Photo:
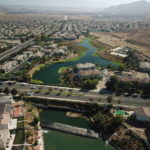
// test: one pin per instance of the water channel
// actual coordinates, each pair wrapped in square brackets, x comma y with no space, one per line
[50,75]
[55,140]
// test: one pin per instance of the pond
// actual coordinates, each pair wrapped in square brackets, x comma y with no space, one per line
[55,140]
[50,75]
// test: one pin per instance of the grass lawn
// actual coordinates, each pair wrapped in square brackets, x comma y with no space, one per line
[20,137]
[37,82]
[62,70]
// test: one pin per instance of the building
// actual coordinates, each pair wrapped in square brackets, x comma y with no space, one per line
[145,66]
[87,70]
[39,54]
[20,58]
[6,122]
[120,51]
[59,52]
[89,73]
[8,66]
[142,113]
[86,66]
[134,76]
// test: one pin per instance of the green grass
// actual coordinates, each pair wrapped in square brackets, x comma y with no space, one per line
[39,67]
[122,113]
[119,64]
[95,54]
[81,52]
[20,137]
[20,124]
[62,70]
[37,82]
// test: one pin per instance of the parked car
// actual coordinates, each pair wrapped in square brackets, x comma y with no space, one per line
[33,87]
[127,94]
[135,95]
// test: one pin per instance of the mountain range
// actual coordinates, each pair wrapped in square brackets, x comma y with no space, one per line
[136,8]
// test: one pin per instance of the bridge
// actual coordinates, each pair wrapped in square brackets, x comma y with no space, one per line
[69,129]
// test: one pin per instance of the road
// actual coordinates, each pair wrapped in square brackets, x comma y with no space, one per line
[76,94]
[8,53]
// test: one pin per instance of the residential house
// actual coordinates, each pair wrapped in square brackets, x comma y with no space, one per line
[86,66]
[144,67]
[6,122]
[8,66]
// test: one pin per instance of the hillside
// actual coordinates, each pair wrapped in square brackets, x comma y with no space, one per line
[136,8]
[139,37]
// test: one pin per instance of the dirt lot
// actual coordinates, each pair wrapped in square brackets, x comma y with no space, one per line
[138,40]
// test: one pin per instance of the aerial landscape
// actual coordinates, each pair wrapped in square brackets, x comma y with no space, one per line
[74,75]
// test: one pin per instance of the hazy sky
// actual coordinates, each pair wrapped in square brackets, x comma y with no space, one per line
[68,3]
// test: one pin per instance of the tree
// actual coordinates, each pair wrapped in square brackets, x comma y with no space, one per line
[113,83]
[14,91]
[120,68]
[90,84]
[1,90]
[50,89]
[109,99]
[99,100]
[61,90]
[91,99]
[119,101]
[6,90]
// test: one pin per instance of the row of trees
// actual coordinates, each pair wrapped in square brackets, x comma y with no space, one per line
[114,84]
[90,84]
[8,91]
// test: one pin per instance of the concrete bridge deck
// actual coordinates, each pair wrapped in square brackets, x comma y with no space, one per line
[69,129]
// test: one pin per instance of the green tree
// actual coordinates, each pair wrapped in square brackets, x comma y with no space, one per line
[1,90]
[113,83]
[109,99]
[14,91]
[6,90]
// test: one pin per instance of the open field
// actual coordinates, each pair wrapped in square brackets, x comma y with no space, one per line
[138,40]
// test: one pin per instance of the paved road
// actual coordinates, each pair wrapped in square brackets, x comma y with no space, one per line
[8,53]
[77,95]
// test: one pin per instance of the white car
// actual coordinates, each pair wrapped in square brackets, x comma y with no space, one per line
[33,87]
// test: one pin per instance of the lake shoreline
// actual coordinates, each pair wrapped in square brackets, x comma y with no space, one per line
[85,56]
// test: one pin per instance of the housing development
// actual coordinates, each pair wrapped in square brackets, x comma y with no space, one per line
[74,80]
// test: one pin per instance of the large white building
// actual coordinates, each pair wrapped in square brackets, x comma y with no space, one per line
[86,66]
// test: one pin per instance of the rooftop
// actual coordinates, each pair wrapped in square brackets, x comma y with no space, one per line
[85,66]
[145,65]
[142,111]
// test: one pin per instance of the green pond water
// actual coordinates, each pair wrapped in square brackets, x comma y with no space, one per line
[55,140]
[50,75]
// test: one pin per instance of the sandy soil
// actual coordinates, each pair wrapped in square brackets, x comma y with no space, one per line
[73,115]
[119,39]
